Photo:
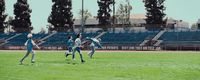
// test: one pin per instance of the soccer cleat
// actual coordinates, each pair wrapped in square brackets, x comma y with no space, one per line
[82,61]
[21,63]
[66,55]
[32,61]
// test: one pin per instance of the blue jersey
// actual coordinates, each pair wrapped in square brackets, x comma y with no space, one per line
[70,43]
[29,44]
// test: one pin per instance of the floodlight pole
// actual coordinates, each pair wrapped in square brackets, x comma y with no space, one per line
[82,14]
[114,17]
[113,12]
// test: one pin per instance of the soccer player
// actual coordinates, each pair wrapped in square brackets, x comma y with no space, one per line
[94,43]
[77,47]
[70,44]
[29,46]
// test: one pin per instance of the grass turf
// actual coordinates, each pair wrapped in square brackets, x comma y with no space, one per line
[52,65]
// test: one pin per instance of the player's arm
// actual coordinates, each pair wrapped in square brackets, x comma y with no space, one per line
[100,46]
[35,44]
[26,43]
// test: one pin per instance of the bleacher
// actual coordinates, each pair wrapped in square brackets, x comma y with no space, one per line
[134,38]
[17,41]
[60,38]
[6,36]
[21,39]
[181,37]
[39,36]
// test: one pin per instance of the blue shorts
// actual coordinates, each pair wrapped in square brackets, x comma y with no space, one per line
[70,49]
[78,49]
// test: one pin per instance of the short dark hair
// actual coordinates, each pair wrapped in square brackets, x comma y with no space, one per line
[69,36]
[78,35]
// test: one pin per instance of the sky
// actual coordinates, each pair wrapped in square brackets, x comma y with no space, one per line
[186,10]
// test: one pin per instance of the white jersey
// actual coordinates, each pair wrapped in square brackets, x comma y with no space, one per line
[77,42]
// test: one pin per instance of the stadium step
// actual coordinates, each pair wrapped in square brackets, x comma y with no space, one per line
[144,42]
[41,42]
[13,36]
[48,36]
[159,35]
[7,40]
[158,42]
[155,39]
[98,36]
[43,39]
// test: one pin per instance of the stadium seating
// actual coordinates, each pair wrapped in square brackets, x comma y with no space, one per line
[134,38]
[39,36]
[181,37]
[6,36]
[60,38]
[21,39]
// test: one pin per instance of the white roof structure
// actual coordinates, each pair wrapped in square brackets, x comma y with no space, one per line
[88,21]
[198,22]
[134,19]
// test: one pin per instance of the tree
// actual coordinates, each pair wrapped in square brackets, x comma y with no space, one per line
[2,15]
[61,16]
[194,26]
[103,15]
[123,13]
[86,15]
[22,22]
[155,12]
[8,24]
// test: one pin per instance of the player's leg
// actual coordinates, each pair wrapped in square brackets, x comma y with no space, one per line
[26,55]
[73,54]
[89,53]
[92,52]
[80,53]
[67,53]
[33,57]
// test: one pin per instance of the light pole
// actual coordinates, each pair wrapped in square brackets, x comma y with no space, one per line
[82,14]
[114,17]
[113,11]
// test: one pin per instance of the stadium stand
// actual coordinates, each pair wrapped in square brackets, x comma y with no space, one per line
[60,38]
[21,39]
[180,40]
[6,36]
[134,38]
[181,37]
[169,38]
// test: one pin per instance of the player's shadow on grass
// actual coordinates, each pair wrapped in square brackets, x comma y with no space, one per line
[26,64]
[53,62]
[67,61]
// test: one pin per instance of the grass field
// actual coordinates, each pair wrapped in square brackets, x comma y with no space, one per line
[151,65]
